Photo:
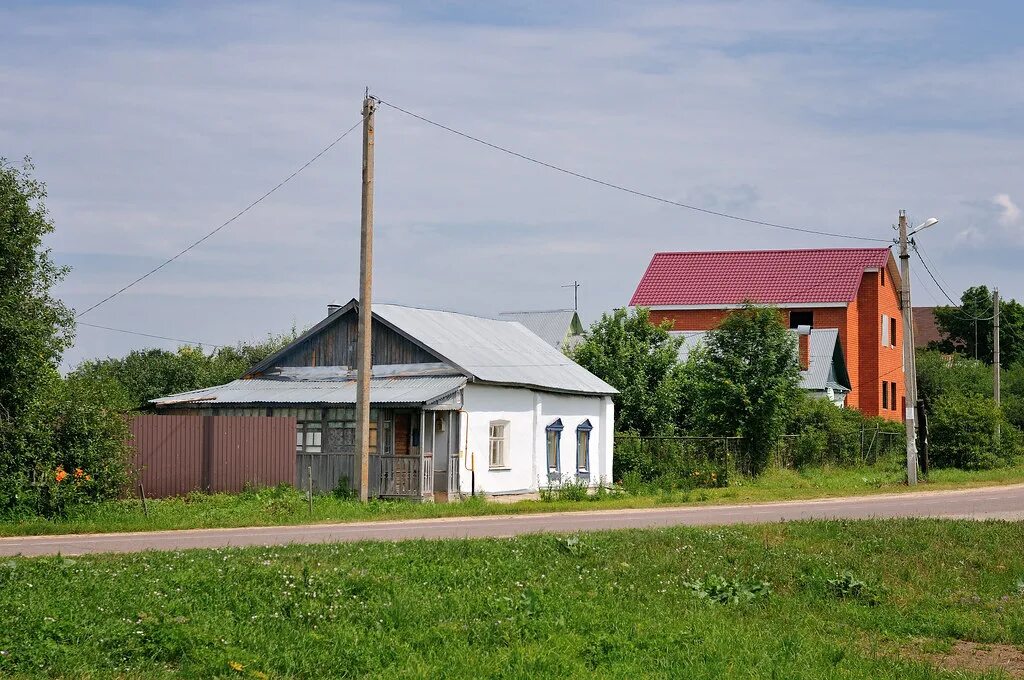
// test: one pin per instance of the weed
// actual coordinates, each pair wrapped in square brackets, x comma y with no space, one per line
[846,586]
[722,591]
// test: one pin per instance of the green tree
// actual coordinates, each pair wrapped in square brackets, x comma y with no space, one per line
[641,361]
[744,380]
[939,375]
[35,327]
[150,373]
[968,329]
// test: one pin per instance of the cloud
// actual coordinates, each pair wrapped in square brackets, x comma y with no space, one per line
[1010,212]
[152,124]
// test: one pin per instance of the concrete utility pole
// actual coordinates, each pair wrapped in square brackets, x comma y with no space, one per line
[364,353]
[575,285]
[995,353]
[909,363]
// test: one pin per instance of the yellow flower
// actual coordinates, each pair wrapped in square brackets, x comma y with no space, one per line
[235,666]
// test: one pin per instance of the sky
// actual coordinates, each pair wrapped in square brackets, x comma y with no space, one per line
[153,123]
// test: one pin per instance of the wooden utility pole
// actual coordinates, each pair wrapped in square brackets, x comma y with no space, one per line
[909,362]
[995,353]
[364,353]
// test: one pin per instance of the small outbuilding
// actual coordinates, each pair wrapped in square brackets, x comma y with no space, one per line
[459,403]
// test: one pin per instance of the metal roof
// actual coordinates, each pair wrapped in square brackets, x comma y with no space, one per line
[554,327]
[827,366]
[821,276]
[494,351]
[391,390]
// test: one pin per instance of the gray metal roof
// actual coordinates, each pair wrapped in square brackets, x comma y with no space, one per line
[827,367]
[554,327]
[494,351]
[390,390]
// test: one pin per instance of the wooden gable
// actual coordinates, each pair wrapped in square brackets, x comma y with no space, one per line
[332,342]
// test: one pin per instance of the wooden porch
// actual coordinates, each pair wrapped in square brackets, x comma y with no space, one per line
[414,455]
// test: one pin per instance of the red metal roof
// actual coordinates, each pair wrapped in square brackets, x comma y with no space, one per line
[827,275]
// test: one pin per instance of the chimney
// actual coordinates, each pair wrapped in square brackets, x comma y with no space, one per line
[332,308]
[804,341]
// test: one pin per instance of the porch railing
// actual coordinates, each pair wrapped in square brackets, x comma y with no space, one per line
[399,476]
[453,474]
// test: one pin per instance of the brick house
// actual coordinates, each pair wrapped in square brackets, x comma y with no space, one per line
[854,290]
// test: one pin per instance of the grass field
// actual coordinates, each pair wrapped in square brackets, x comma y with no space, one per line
[805,600]
[288,506]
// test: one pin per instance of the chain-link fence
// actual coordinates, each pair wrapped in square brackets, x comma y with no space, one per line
[711,461]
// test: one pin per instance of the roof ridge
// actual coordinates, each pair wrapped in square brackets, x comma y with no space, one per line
[773,250]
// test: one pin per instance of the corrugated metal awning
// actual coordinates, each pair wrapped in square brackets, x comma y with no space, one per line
[413,390]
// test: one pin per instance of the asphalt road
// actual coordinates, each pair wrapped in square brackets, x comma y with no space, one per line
[1004,502]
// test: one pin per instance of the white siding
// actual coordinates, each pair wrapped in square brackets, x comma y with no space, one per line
[528,413]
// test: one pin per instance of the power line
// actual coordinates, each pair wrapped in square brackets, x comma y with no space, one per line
[968,317]
[237,215]
[150,335]
[619,187]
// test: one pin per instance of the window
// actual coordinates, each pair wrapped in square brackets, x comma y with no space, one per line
[885,394]
[885,330]
[892,396]
[883,276]
[553,437]
[498,444]
[583,446]
[892,332]
[801,319]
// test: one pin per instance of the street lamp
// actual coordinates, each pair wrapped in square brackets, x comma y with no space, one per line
[909,359]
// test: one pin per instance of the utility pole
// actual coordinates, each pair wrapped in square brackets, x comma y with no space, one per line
[364,354]
[909,362]
[575,285]
[995,354]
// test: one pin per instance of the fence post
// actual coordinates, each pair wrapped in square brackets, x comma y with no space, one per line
[142,495]
[309,484]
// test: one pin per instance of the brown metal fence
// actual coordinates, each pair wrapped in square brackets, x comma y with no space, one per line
[176,455]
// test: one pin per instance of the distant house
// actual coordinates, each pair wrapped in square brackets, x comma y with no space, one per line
[560,328]
[823,371]
[852,290]
[926,327]
[450,393]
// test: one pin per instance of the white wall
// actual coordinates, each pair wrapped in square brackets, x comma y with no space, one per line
[528,413]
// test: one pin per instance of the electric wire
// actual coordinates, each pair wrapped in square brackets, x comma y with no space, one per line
[619,187]
[150,335]
[244,210]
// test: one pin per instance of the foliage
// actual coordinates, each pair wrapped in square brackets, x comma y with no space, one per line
[743,380]
[49,427]
[728,591]
[150,373]
[641,361]
[672,463]
[962,434]
[829,435]
[847,586]
[959,327]
[939,375]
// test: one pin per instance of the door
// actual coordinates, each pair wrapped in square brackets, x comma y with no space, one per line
[403,425]
[441,423]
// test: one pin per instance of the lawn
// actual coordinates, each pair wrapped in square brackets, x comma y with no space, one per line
[287,506]
[284,505]
[867,599]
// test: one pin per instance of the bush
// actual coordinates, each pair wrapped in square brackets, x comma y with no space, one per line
[829,435]
[962,434]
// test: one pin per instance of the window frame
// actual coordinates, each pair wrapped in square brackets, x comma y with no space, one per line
[584,428]
[892,396]
[794,324]
[892,331]
[885,395]
[501,439]
[885,330]
[553,430]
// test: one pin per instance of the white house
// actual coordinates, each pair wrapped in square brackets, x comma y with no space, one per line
[460,403]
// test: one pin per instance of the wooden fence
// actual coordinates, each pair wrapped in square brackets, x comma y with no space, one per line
[176,455]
